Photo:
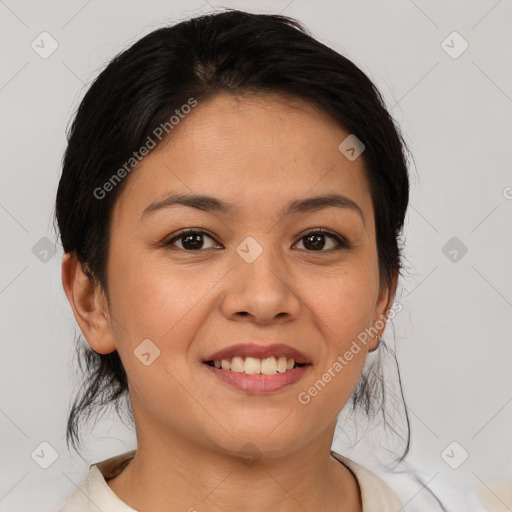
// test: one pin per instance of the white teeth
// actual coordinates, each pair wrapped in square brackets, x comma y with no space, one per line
[281,364]
[254,366]
[268,366]
[237,364]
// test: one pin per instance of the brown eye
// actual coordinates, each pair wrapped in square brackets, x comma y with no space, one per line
[190,240]
[315,241]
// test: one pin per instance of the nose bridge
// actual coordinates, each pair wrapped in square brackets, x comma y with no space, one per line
[259,259]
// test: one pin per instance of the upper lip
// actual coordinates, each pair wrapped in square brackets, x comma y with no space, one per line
[259,352]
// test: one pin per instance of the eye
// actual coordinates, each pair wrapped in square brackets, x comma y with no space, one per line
[191,240]
[314,241]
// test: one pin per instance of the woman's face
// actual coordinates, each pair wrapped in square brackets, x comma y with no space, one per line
[255,276]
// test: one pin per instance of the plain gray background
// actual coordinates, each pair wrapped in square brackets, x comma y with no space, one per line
[453,335]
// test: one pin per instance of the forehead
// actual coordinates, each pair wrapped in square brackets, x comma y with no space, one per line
[256,152]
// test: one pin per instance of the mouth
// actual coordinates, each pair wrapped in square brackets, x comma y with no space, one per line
[255,366]
[258,369]
[242,352]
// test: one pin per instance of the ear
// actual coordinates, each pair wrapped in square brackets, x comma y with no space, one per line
[384,303]
[89,306]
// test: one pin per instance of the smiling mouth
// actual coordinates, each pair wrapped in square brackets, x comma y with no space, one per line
[256,376]
[255,366]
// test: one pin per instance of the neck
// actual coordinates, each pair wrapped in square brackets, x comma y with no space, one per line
[182,475]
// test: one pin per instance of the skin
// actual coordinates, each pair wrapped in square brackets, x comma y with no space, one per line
[258,152]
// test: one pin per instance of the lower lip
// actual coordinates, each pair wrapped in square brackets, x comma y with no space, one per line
[259,384]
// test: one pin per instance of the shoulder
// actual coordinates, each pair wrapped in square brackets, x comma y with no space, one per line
[78,500]
[376,495]
[94,493]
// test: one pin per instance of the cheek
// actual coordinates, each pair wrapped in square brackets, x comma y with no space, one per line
[151,297]
[154,301]
[343,311]
[345,305]
[329,389]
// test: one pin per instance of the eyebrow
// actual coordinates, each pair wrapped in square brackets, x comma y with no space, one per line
[212,204]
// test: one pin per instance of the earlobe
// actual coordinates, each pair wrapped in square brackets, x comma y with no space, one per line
[89,306]
[384,304]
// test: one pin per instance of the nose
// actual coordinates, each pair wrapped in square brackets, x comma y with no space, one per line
[260,291]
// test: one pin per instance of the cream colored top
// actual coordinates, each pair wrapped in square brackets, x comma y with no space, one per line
[94,493]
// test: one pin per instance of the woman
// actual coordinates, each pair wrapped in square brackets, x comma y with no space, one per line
[230,207]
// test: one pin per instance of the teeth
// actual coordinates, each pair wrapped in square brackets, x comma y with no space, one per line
[237,364]
[268,366]
[254,366]
[282,364]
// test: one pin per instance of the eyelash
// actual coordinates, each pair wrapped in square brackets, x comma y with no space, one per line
[343,243]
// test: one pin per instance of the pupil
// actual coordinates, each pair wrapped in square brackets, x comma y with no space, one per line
[314,245]
[195,239]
